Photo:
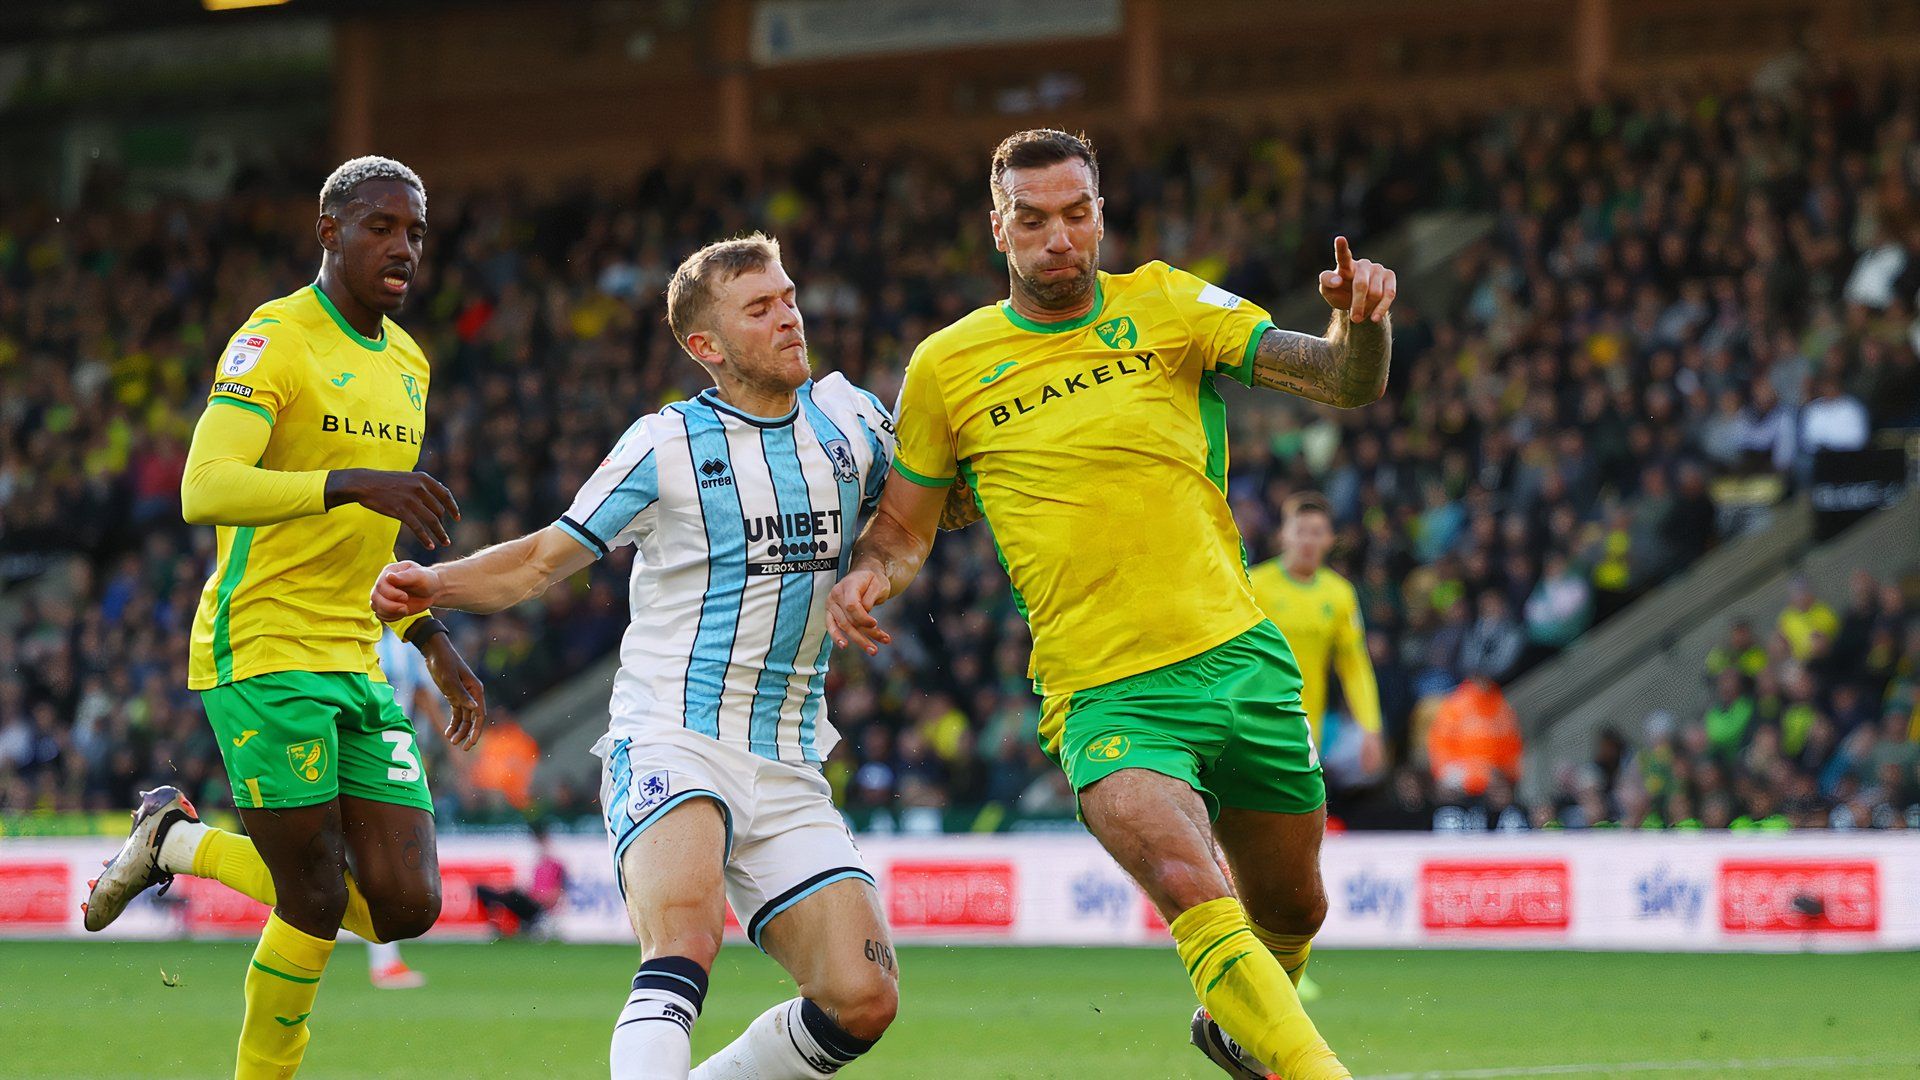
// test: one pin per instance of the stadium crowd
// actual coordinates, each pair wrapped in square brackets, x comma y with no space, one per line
[1680,291]
[1813,722]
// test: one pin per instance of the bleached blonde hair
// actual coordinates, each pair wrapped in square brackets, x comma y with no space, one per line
[338,190]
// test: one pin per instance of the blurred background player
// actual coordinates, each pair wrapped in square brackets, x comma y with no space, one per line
[742,501]
[1318,613]
[414,692]
[531,906]
[1316,610]
[304,461]
[1082,415]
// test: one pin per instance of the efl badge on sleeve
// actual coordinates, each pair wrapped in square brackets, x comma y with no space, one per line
[243,352]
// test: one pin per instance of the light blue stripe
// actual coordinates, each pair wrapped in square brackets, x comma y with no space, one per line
[621,764]
[877,474]
[636,491]
[586,541]
[796,594]
[844,875]
[726,573]
[825,430]
[633,832]
[643,972]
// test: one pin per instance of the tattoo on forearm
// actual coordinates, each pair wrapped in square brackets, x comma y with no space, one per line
[882,954]
[1346,368]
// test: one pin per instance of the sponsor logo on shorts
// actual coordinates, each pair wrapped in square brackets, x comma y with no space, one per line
[1108,748]
[308,759]
[245,738]
[650,791]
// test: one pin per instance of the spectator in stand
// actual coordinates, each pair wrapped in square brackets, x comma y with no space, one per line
[1475,738]
[1731,714]
[1805,617]
[1493,644]
[1833,420]
[1741,653]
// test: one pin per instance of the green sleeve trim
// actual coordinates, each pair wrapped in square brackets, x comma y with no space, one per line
[339,320]
[256,409]
[1242,372]
[921,478]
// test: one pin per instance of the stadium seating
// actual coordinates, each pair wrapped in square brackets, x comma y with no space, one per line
[1679,291]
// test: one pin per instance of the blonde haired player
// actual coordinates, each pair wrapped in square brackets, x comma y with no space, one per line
[1081,414]
[742,502]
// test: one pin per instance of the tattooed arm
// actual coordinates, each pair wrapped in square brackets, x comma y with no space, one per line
[1346,368]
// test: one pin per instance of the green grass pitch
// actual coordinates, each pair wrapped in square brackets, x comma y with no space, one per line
[514,1010]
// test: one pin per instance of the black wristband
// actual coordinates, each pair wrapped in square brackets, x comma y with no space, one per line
[420,631]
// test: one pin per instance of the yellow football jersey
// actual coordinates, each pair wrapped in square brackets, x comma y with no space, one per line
[293,596]
[1097,451]
[1321,620]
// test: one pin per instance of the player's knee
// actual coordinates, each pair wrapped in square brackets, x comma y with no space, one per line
[408,915]
[698,945]
[1301,916]
[1178,884]
[864,1008]
[316,900]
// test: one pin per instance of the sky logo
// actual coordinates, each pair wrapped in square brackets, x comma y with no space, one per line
[1664,894]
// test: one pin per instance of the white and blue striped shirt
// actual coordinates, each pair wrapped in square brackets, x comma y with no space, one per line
[743,525]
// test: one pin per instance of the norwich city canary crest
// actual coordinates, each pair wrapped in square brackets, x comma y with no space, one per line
[309,759]
[1118,333]
[413,389]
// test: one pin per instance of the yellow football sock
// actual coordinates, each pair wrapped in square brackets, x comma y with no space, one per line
[1290,949]
[1249,993]
[233,861]
[281,985]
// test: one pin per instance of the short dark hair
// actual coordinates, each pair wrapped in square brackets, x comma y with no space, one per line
[1035,148]
[690,293]
[1306,502]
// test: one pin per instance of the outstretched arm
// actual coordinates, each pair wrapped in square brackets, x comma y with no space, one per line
[489,580]
[1346,368]
[886,559]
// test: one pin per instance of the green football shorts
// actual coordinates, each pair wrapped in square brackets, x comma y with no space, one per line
[1228,722]
[298,738]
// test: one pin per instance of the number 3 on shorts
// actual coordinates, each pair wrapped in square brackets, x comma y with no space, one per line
[408,768]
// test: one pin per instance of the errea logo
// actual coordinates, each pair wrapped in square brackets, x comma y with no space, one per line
[713,474]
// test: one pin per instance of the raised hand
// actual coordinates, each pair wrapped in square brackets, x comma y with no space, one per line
[1360,287]
[414,499]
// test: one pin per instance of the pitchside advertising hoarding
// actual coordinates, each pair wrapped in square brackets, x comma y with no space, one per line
[1814,892]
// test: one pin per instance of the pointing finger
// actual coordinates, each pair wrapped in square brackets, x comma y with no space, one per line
[1342,258]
